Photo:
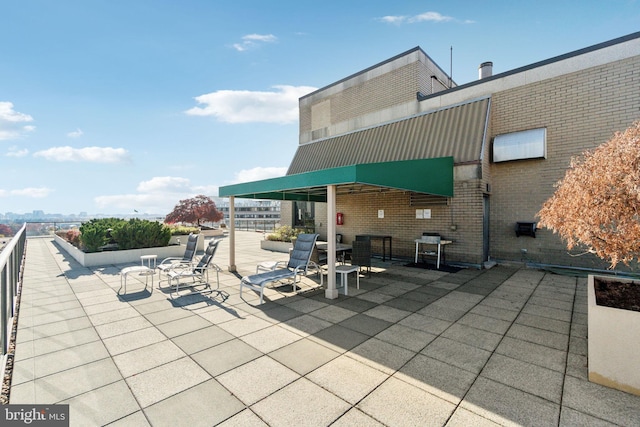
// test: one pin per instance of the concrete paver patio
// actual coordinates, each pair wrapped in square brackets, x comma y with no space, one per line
[505,346]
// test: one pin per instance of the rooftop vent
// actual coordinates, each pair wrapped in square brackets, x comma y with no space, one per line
[485,70]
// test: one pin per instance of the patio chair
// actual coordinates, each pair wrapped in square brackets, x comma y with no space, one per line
[361,254]
[299,264]
[198,274]
[187,259]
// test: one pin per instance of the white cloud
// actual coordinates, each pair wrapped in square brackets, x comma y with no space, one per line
[157,195]
[16,152]
[244,106]
[258,173]
[12,122]
[86,154]
[33,192]
[254,40]
[422,17]
[76,133]
[164,184]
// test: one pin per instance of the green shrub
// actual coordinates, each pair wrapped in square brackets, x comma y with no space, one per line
[284,234]
[137,233]
[94,233]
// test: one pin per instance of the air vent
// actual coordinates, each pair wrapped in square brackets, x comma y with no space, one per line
[419,199]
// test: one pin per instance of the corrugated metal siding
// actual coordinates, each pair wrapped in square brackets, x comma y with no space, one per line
[457,131]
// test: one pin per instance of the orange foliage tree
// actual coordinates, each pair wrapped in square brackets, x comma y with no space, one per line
[194,211]
[597,204]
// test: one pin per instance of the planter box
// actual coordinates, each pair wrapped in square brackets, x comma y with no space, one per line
[271,245]
[614,343]
[118,257]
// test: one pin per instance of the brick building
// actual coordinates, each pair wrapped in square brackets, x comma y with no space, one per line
[468,162]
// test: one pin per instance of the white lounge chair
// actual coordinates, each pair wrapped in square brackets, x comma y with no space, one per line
[299,264]
[187,260]
[198,274]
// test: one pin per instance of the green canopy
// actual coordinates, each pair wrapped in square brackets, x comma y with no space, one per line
[430,176]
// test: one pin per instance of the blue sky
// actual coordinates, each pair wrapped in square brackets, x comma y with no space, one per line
[111,106]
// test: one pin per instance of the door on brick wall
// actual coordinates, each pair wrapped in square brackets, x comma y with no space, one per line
[485,227]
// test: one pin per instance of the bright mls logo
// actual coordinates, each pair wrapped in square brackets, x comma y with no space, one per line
[36,415]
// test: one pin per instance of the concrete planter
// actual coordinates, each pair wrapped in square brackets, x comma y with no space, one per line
[614,343]
[117,257]
[271,245]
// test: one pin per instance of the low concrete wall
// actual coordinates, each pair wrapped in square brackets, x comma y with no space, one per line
[275,246]
[118,257]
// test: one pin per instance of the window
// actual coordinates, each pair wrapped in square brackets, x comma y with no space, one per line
[303,214]
[528,144]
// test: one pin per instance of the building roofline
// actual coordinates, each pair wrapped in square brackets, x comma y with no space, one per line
[373,67]
[558,58]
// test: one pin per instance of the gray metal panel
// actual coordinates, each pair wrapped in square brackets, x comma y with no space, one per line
[457,131]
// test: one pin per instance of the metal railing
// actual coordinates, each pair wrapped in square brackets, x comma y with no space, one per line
[11,261]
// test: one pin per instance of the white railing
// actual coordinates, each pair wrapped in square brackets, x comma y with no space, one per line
[11,262]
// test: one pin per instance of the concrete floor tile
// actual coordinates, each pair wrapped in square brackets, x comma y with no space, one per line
[270,339]
[356,418]
[570,418]
[152,386]
[407,303]
[427,324]
[381,355]
[365,324]
[356,304]
[406,337]
[545,323]
[436,377]
[257,379]
[202,339]
[306,325]
[148,357]
[601,402]
[102,406]
[300,404]
[225,356]
[245,325]
[416,407]
[489,324]
[74,381]
[126,312]
[539,336]
[245,418]
[339,338]
[533,353]
[375,296]
[304,356]
[442,313]
[464,418]
[457,354]
[307,305]
[333,314]
[205,404]
[182,326]
[473,336]
[136,419]
[550,312]
[509,406]
[111,329]
[524,376]
[132,340]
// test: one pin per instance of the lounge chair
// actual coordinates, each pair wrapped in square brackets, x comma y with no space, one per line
[187,260]
[198,274]
[299,264]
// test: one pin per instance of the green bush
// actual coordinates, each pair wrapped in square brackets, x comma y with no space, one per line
[137,233]
[94,233]
[284,234]
[132,234]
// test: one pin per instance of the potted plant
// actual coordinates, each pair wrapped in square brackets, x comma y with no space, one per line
[596,207]
[281,240]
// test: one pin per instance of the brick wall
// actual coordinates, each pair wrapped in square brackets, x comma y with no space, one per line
[580,110]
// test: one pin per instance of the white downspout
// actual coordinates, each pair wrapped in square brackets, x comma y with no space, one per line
[331,292]
[232,234]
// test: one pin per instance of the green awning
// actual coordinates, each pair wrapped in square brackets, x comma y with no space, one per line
[430,176]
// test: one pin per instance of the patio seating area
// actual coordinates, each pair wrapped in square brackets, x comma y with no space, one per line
[504,346]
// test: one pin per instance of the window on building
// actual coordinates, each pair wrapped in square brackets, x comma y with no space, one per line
[528,144]
[303,214]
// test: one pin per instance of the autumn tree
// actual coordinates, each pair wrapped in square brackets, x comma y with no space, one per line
[596,205]
[194,211]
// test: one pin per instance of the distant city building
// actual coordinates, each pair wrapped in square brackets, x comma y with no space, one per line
[252,214]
